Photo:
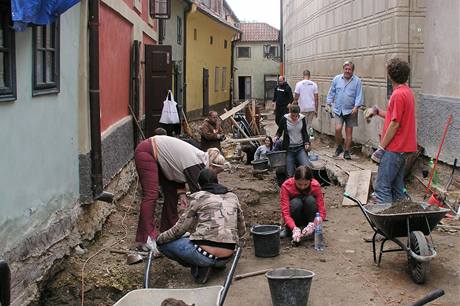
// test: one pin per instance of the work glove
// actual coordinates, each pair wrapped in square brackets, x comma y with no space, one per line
[371,112]
[377,155]
[308,230]
[296,234]
[151,244]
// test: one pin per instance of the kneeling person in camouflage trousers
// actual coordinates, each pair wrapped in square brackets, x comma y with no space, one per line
[215,220]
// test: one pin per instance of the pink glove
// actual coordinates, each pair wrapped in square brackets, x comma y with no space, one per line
[308,230]
[296,234]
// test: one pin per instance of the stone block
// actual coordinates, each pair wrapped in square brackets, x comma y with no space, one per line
[352,39]
[374,34]
[334,39]
[346,13]
[416,29]
[368,8]
[362,36]
[367,66]
[387,31]
[357,9]
[379,66]
[380,5]
[401,25]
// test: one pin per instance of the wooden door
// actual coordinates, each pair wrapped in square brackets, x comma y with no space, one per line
[158,80]
[205,92]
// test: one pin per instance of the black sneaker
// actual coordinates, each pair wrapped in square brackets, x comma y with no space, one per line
[201,274]
[346,155]
[338,151]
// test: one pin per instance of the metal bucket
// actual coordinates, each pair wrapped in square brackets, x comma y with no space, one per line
[277,158]
[289,286]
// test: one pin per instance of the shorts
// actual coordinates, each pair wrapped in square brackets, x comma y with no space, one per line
[350,120]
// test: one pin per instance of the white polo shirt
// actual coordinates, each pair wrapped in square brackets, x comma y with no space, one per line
[307,90]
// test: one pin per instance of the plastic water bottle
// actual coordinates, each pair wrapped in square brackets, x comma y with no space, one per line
[312,133]
[319,240]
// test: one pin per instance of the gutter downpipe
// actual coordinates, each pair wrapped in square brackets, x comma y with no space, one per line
[281,39]
[184,68]
[94,106]
[232,73]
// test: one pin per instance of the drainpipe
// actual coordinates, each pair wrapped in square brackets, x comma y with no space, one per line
[232,73]
[94,105]
[184,60]
[281,39]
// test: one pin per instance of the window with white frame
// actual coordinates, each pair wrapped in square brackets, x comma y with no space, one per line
[243,52]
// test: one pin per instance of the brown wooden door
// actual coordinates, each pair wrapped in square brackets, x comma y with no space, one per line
[205,92]
[158,80]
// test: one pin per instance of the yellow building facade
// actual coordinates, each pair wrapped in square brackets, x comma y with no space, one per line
[208,61]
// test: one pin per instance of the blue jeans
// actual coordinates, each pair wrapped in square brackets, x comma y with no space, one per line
[296,157]
[389,186]
[184,252]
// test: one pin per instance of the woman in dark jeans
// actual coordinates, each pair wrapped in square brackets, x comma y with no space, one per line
[215,220]
[296,140]
[300,199]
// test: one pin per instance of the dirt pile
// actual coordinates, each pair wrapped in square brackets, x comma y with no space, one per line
[407,207]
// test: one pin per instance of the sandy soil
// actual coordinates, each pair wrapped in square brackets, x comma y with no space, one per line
[344,273]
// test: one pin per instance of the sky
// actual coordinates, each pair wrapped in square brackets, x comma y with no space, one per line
[257,10]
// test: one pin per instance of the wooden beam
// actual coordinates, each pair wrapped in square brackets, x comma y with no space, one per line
[232,140]
[233,111]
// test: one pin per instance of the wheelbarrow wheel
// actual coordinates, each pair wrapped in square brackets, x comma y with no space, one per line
[419,270]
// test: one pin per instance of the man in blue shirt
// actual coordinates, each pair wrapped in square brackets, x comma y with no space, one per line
[347,95]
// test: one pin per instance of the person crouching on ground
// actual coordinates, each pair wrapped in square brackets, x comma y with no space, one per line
[261,152]
[211,132]
[171,163]
[215,220]
[295,140]
[300,199]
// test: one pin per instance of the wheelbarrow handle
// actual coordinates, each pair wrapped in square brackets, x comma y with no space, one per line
[422,258]
[229,278]
[433,295]
[361,206]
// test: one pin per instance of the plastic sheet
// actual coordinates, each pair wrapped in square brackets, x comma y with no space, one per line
[38,12]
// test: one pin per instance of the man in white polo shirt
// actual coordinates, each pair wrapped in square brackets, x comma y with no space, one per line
[306,96]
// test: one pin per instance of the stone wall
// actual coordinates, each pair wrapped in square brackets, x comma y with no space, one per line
[320,35]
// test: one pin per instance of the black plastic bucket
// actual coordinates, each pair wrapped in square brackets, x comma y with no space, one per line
[289,286]
[266,240]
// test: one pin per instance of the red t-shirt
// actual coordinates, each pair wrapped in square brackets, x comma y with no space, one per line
[401,109]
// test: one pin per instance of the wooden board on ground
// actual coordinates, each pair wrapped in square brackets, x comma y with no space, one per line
[358,186]
[233,111]
[232,140]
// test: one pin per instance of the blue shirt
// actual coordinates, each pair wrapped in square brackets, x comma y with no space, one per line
[346,94]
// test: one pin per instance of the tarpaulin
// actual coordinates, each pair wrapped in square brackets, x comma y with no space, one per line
[38,12]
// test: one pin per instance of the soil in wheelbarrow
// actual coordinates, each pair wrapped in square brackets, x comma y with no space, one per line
[406,207]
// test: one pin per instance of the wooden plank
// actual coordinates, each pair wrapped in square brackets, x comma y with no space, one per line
[233,111]
[232,140]
[358,186]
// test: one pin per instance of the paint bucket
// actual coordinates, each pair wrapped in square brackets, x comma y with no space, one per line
[289,286]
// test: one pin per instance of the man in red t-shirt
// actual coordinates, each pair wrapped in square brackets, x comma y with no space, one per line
[399,135]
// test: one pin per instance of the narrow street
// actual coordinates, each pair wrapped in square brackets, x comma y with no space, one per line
[344,272]
[113,113]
